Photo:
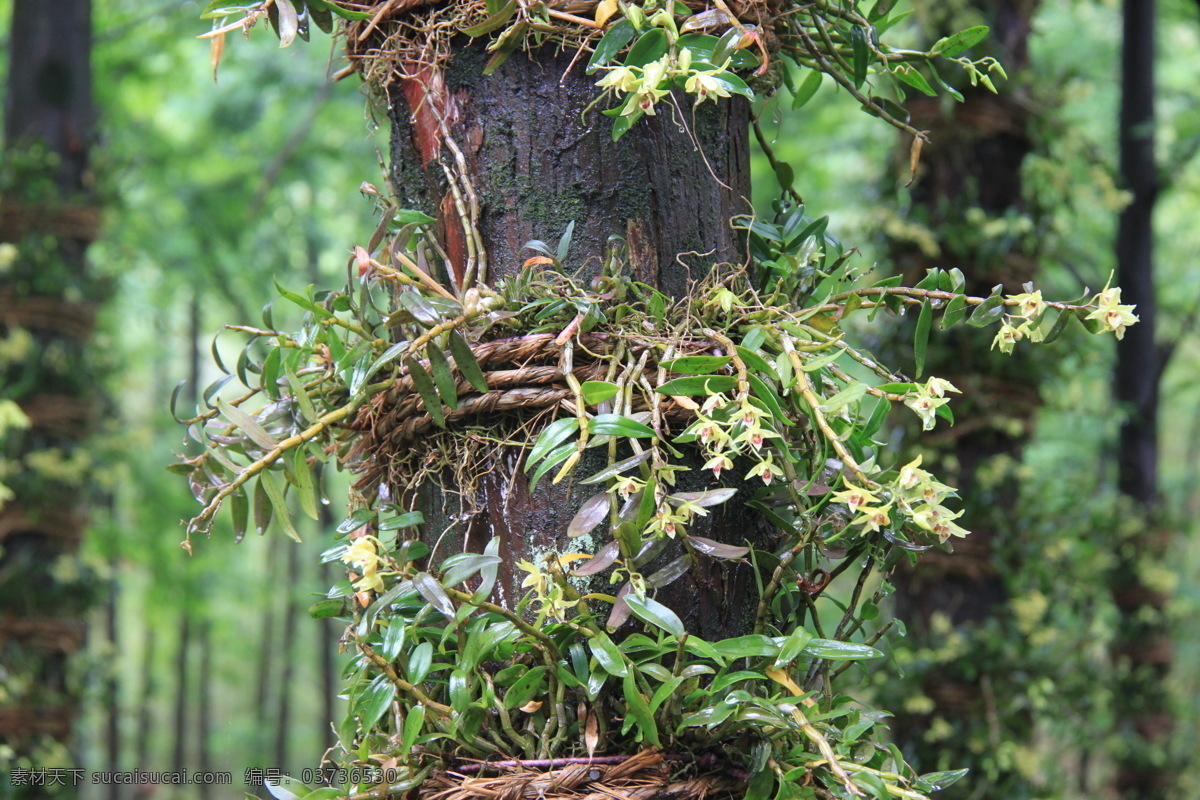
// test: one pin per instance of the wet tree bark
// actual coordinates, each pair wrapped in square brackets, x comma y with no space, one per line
[47,218]
[1143,652]
[534,166]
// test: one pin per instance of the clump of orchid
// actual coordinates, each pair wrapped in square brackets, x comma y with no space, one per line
[1025,321]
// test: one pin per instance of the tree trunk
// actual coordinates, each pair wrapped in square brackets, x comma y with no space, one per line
[534,166]
[1142,651]
[286,655]
[46,225]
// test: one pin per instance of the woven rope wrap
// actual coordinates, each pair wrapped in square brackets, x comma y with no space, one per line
[520,382]
[644,776]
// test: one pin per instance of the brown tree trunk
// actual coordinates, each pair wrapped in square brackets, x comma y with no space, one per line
[46,216]
[534,167]
[1143,651]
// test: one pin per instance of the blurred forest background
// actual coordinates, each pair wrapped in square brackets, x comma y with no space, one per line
[209,191]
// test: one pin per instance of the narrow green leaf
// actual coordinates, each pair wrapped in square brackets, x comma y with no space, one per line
[987,312]
[239,510]
[617,425]
[861,53]
[552,460]
[921,337]
[614,40]
[747,646]
[618,468]
[851,394]
[425,387]
[640,710]
[696,365]
[442,376]
[832,650]
[607,655]
[551,437]
[248,426]
[525,689]
[464,359]
[305,486]
[262,508]
[808,88]
[698,385]
[951,46]
[433,593]
[300,394]
[374,701]
[271,486]
[412,728]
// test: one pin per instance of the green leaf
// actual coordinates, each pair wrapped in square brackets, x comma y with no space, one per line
[419,662]
[921,338]
[300,394]
[655,613]
[755,362]
[433,593]
[640,710]
[442,376]
[598,391]
[618,425]
[861,54]
[832,650]
[464,359]
[699,385]
[409,519]
[618,468]
[494,21]
[525,689]
[608,656]
[696,365]
[247,424]
[556,457]
[808,88]
[412,728]
[386,358]
[956,309]
[324,609]
[951,46]
[393,639]
[914,79]
[425,387]
[374,701]
[814,364]
[747,646]
[551,437]
[768,397]
[614,40]
[851,394]
[987,312]
[275,494]
[792,646]
[304,482]
[936,781]
[650,46]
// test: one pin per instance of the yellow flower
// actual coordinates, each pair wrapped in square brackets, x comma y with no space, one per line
[1030,304]
[363,556]
[705,83]
[1111,314]
[1006,338]
[872,518]
[855,496]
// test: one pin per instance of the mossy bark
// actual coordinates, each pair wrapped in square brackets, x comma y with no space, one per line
[536,163]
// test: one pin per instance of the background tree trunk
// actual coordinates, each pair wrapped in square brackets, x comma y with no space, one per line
[536,167]
[1143,651]
[45,213]
[970,174]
